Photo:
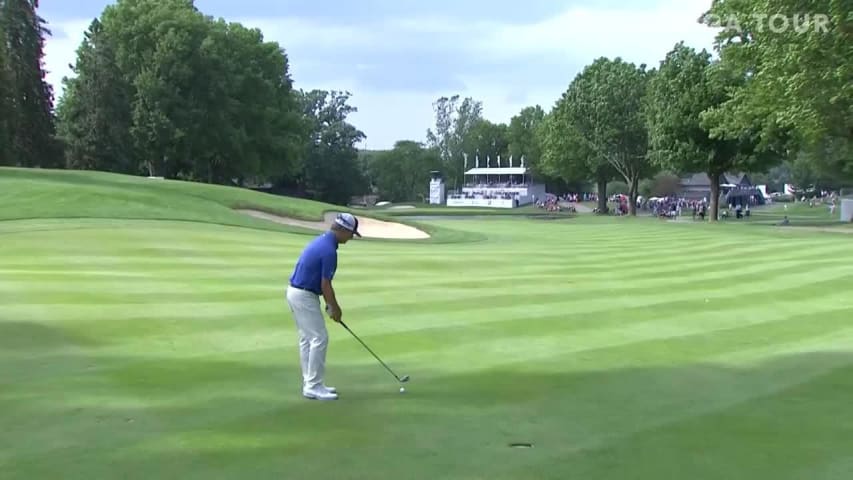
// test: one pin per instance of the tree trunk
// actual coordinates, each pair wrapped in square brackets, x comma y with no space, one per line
[715,197]
[632,195]
[602,196]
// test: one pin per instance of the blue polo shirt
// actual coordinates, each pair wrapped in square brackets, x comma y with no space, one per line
[318,260]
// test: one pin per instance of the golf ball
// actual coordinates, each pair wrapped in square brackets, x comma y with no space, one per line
[402,390]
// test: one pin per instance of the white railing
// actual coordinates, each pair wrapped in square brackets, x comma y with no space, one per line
[480,202]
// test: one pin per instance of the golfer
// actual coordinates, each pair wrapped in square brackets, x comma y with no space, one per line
[312,277]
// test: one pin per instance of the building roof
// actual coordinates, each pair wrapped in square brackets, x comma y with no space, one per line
[696,180]
[740,179]
[497,171]
[726,179]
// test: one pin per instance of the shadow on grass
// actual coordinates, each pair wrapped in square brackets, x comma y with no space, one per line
[240,415]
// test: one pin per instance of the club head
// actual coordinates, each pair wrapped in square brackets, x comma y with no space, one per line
[404,379]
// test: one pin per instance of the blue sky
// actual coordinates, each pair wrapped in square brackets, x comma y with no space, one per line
[398,56]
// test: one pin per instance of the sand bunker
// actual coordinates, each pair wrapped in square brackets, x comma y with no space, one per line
[367,227]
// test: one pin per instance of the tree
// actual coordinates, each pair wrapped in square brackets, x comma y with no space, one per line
[169,106]
[601,117]
[94,120]
[442,139]
[331,172]
[6,111]
[487,140]
[454,122]
[526,144]
[523,137]
[567,156]
[797,72]
[664,184]
[249,123]
[825,166]
[775,178]
[163,90]
[686,85]
[605,104]
[30,126]
[403,173]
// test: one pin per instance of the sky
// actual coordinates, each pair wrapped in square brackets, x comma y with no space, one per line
[396,57]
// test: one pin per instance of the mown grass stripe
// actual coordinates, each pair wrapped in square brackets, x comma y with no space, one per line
[619,347]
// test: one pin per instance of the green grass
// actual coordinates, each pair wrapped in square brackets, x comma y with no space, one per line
[52,194]
[424,209]
[621,348]
[799,214]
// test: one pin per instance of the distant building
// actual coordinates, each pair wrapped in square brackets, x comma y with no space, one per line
[696,186]
[498,187]
[734,188]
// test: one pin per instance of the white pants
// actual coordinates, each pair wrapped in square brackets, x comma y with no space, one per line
[313,337]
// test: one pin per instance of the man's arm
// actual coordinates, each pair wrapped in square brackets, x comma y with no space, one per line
[330,264]
[331,300]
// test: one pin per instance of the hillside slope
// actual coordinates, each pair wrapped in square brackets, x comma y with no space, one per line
[67,194]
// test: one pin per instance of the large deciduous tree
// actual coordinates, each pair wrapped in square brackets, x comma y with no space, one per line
[403,173]
[332,171]
[567,156]
[686,85]
[601,121]
[489,141]
[796,61]
[163,90]
[523,139]
[454,122]
[606,104]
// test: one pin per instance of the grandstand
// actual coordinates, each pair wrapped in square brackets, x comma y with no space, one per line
[497,187]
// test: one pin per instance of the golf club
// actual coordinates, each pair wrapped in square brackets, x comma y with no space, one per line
[403,379]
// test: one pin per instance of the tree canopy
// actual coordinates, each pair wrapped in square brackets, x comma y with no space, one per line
[161,89]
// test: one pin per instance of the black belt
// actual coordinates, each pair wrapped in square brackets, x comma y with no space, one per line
[306,289]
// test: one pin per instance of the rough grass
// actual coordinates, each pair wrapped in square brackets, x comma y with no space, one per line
[620,348]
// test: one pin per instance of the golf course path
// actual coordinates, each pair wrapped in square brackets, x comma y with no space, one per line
[581,208]
[368,227]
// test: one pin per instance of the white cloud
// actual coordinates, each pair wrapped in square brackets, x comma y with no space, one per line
[584,33]
[299,33]
[437,25]
[527,63]
[573,38]
[60,50]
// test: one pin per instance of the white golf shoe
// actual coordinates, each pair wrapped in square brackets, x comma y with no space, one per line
[319,393]
[324,387]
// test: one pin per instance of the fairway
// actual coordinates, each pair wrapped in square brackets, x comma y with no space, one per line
[138,346]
